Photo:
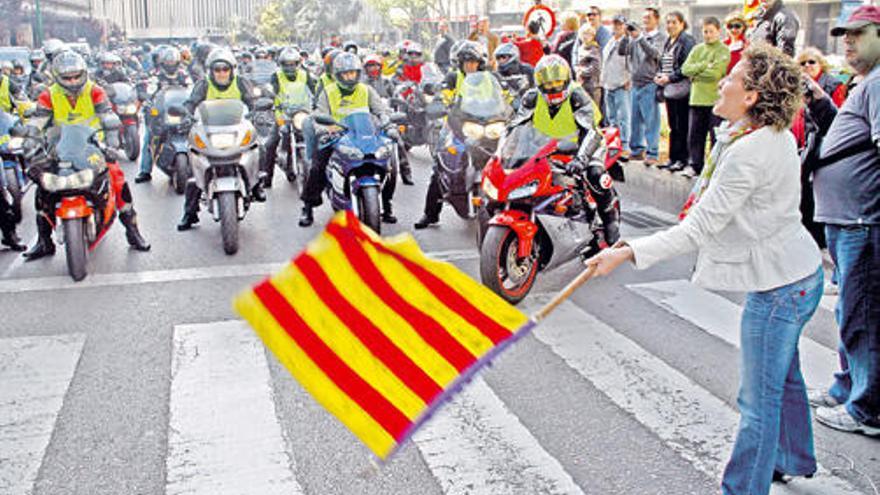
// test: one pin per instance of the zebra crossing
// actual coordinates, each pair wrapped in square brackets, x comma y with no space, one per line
[225,434]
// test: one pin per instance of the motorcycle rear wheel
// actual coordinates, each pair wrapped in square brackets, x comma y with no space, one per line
[132,143]
[182,172]
[75,247]
[369,208]
[229,221]
[501,270]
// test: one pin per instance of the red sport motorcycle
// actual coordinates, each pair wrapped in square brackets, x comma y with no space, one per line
[539,216]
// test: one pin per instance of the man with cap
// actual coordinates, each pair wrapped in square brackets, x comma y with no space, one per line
[846,184]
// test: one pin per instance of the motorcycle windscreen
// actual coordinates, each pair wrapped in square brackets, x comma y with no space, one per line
[174,95]
[296,95]
[74,149]
[262,72]
[481,98]
[362,132]
[122,92]
[221,112]
[521,145]
[432,74]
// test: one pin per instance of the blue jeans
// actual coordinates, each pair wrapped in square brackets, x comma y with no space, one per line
[617,103]
[856,253]
[146,153]
[775,430]
[645,121]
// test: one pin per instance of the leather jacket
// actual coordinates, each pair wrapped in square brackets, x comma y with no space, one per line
[777,26]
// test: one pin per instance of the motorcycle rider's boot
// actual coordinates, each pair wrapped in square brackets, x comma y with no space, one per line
[190,207]
[143,177]
[388,213]
[45,246]
[425,221]
[406,170]
[306,218]
[11,240]
[132,234]
[187,222]
[610,224]
[259,193]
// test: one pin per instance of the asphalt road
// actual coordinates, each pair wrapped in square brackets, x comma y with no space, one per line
[140,380]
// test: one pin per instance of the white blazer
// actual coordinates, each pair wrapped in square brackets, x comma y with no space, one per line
[747,226]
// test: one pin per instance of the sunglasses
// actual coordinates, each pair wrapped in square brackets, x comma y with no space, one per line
[70,78]
[734,26]
[808,62]
[592,14]
[222,69]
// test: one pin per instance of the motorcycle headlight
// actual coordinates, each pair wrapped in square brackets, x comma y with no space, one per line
[350,152]
[495,130]
[524,191]
[130,109]
[299,119]
[52,182]
[490,189]
[79,180]
[223,140]
[382,153]
[473,131]
[173,119]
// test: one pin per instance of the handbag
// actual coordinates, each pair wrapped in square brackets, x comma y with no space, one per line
[677,90]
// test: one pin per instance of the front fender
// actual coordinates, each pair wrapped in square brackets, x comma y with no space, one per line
[225,184]
[73,207]
[520,223]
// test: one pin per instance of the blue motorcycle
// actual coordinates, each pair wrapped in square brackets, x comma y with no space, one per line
[12,180]
[170,124]
[363,158]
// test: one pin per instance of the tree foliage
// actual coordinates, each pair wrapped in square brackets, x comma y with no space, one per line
[289,20]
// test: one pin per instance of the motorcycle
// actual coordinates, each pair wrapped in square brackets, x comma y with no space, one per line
[225,160]
[169,127]
[127,106]
[82,190]
[12,178]
[476,122]
[423,106]
[292,113]
[537,219]
[363,159]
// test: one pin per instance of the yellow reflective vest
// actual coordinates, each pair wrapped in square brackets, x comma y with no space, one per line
[230,93]
[5,97]
[342,106]
[562,126]
[82,113]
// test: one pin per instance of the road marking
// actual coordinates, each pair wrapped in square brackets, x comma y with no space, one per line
[35,373]
[721,318]
[474,444]
[175,275]
[829,302]
[694,423]
[223,433]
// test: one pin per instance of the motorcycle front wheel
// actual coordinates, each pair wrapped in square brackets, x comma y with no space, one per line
[228,205]
[369,208]
[132,143]
[75,247]
[501,270]
[181,172]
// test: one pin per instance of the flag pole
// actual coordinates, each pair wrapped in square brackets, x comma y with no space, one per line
[564,294]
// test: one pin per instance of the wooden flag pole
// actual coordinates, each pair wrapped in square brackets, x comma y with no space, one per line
[564,294]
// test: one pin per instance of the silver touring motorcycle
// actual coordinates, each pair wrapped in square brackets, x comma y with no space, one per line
[224,154]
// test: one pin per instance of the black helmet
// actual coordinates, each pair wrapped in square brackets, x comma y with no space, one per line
[169,61]
[218,59]
[290,60]
[345,63]
[470,51]
[507,56]
[70,71]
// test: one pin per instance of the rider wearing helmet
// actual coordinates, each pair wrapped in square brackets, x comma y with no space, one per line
[110,71]
[53,47]
[469,58]
[290,72]
[413,61]
[328,54]
[346,95]
[373,76]
[221,84]
[350,47]
[169,73]
[516,75]
[561,109]
[74,100]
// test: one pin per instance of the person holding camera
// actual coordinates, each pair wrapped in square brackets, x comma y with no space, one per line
[643,56]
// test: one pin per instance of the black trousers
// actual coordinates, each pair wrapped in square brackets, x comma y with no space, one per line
[677,113]
[702,122]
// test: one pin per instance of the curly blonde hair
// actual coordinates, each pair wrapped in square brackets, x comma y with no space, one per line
[777,79]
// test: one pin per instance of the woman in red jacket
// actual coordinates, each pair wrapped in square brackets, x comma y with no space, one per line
[813,64]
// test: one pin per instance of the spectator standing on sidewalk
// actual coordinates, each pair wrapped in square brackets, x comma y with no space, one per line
[643,56]
[705,67]
[444,47]
[566,39]
[736,41]
[847,190]
[615,80]
[777,25]
[675,88]
[484,36]
[813,63]
[745,224]
[603,34]
[532,47]
[589,63]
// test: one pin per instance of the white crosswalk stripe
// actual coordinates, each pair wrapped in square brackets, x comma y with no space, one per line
[35,373]
[720,317]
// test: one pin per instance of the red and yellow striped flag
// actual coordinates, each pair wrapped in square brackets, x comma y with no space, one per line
[377,332]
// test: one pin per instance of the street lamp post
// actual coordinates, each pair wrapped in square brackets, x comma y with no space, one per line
[38,24]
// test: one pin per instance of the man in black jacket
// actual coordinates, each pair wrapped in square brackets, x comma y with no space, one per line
[777,25]
[444,48]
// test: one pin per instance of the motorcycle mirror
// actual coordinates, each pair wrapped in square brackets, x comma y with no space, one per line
[567,146]
[324,119]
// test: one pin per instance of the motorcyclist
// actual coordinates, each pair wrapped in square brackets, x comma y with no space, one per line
[19,76]
[38,73]
[350,47]
[74,100]
[245,62]
[111,71]
[10,92]
[510,67]
[345,96]
[221,84]
[170,73]
[470,58]
[328,54]
[290,71]
[9,218]
[51,48]
[561,110]
[385,89]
